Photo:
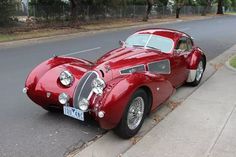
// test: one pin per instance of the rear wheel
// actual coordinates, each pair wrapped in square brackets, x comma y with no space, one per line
[133,116]
[199,73]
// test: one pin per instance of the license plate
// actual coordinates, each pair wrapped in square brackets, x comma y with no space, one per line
[73,112]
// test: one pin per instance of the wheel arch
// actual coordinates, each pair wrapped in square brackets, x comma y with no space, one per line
[149,96]
[195,58]
[204,60]
[115,100]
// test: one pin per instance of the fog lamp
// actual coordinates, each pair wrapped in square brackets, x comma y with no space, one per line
[101,114]
[63,98]
[84,104]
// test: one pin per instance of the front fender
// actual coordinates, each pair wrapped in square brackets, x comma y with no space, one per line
[120,90]
[47,65]
[44,79]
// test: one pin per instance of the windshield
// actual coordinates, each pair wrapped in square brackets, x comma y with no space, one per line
[150,41]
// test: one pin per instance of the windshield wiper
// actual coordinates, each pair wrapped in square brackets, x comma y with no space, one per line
[153,48]
[137,45]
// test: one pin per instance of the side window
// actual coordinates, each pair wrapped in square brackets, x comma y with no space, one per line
[161,67]
[182,44]
[190,44]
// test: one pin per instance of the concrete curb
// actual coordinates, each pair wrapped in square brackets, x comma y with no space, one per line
[118,146]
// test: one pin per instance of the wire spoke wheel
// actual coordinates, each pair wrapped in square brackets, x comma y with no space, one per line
[135,113]
[199,71]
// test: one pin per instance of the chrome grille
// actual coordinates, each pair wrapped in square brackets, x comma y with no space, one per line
[84,87]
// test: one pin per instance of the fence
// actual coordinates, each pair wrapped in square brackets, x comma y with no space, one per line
[91,13]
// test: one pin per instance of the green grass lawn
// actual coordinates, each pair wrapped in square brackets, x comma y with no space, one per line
[232,62]
[230,13]
[5,37]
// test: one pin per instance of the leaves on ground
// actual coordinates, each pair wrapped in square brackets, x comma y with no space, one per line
[217,66]
[173,104]
[157,118]
[135,139]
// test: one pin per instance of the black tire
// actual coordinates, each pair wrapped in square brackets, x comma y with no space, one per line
[198,80]
[123,130]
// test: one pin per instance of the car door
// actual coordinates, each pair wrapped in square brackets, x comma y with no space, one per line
[178,62]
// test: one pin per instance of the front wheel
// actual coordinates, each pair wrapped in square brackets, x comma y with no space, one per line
[133,116]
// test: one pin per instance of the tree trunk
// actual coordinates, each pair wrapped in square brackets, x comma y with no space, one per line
[220,7]
[148,11]
[73,10]
[178,12]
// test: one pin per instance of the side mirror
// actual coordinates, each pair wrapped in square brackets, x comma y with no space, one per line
[178,51]
[121,43]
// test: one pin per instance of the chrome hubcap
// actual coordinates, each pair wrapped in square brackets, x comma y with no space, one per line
[135,113]
[199,71]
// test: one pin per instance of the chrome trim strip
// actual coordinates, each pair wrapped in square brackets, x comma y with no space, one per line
[83,86]
[143,65]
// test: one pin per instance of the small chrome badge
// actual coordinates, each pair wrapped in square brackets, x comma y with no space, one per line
[48,94]
[107,67]
[25,90]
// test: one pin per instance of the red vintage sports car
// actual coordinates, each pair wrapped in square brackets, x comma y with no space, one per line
[124,85]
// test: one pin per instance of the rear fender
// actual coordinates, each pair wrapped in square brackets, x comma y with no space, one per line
[193,62]
[195,58]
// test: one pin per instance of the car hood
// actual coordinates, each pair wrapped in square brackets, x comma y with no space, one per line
[126,57]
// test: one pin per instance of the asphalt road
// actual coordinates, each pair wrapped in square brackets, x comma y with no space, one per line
[28,130]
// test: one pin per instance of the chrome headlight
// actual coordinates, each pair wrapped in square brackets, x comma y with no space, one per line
[66,78]
[98,85]
[84,104]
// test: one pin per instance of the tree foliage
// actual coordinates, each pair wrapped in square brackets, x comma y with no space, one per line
[206,4]
[77,8]
[47,8]
[228,4]
[162,2]
[7,9]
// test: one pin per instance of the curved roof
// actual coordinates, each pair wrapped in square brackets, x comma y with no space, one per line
[170,33]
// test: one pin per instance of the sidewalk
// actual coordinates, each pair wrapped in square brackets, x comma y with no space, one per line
[203,126]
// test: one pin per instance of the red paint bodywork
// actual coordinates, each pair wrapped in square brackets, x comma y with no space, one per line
[119,88]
